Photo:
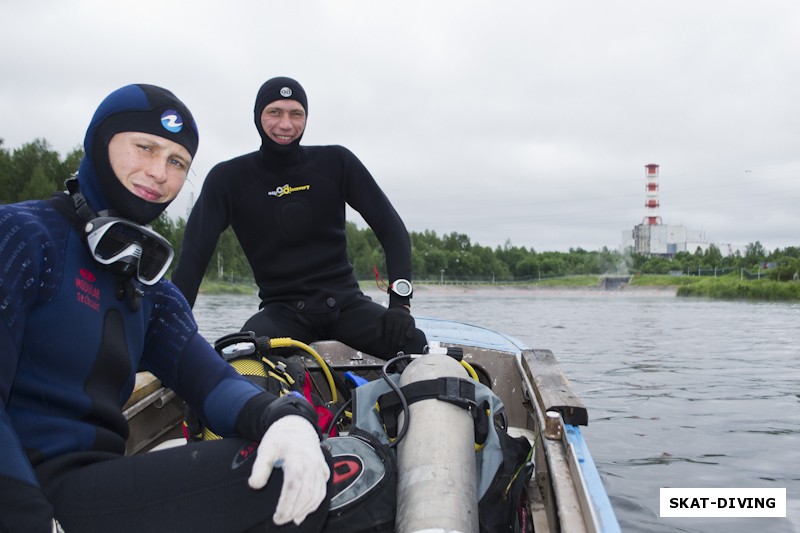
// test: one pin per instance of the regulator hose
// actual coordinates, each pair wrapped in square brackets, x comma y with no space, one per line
[286,342]
[470,370]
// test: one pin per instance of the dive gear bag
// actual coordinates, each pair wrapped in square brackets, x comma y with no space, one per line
[364,498]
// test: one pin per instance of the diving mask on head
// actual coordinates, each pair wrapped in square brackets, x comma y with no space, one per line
[128,248]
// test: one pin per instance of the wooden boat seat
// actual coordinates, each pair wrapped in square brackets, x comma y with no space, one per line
[154,413]
[146,384]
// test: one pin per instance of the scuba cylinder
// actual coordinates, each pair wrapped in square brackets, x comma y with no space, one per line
[436,488]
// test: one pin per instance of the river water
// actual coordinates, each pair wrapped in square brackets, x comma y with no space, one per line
[680,392]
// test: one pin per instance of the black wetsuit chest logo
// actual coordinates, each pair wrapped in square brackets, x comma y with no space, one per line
[286,189]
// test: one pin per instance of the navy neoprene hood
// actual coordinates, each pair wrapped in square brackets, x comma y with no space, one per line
[137,107]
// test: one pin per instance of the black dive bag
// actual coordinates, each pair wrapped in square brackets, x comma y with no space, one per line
[364,498]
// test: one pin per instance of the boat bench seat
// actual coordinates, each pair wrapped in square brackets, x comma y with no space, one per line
[154,413]
[146,384]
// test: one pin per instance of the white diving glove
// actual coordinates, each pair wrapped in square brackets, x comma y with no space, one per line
[291,443]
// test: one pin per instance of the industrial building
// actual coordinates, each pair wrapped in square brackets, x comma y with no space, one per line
[652,237]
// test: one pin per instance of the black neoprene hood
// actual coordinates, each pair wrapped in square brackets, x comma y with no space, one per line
[280,88]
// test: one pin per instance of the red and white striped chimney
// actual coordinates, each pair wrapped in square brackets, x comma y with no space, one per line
[651,173]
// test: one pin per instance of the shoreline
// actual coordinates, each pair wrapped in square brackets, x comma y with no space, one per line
[658,286]
[435,290]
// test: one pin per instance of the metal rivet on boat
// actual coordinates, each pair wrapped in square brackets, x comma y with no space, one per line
[552,425]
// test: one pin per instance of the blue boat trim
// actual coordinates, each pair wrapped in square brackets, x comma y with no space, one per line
[599,497]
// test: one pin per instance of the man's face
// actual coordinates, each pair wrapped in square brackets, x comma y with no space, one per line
[283,121]
[151,167]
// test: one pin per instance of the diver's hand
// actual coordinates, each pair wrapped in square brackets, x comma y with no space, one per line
[398,325]
[291,443]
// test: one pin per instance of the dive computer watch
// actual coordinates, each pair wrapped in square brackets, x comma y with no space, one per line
[402,287]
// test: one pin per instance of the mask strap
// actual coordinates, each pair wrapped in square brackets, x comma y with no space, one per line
[85,212]
[127,288]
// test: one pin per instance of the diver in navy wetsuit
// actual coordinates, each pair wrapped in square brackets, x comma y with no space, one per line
[82,308]
[286,204]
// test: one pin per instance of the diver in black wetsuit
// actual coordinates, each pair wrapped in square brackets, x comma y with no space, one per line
[286,204]
[82,308]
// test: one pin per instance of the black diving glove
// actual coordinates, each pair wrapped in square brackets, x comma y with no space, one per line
[398,325]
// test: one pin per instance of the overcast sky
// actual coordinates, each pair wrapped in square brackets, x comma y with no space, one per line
[521,121]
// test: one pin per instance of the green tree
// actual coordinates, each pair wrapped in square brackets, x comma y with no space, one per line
[755,254]
[786,269]
[713,256]
[656,265]
[5,172]
[527,268]
[39,186]
[229,261]
[34,171]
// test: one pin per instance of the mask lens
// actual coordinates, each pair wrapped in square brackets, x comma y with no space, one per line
[155,260]
[113,240]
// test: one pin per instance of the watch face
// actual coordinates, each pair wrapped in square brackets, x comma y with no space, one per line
[402,287]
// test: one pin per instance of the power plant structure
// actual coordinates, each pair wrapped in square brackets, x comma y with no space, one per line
[652,237]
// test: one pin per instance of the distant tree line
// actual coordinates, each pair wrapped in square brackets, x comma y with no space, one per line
[35,170]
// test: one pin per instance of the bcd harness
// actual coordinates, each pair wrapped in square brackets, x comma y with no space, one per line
[248,355]
[457,391]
